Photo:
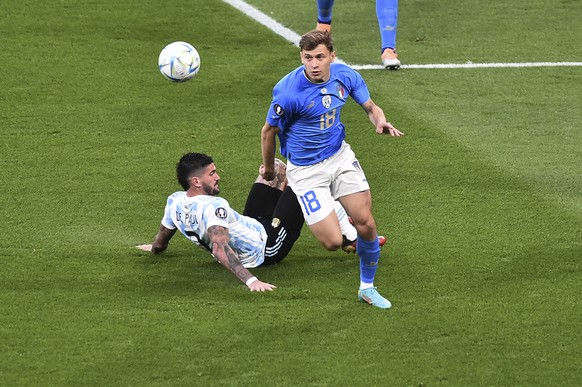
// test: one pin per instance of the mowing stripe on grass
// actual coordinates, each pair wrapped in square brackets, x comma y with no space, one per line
[293,37]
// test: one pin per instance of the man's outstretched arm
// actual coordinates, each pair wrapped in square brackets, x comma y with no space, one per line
[229,259]
[160,242]
[377,117]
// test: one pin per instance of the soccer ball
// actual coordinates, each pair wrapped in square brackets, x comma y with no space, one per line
[179,62]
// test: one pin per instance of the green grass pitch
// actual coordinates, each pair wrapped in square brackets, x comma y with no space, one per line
[481,200]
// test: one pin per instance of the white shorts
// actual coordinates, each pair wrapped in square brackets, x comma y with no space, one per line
[317,186]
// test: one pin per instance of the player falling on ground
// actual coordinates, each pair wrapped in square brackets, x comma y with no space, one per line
[264,234]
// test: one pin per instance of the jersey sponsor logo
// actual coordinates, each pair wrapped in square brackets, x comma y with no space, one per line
[326,101]
[279,110]
[221,213]
[324,90]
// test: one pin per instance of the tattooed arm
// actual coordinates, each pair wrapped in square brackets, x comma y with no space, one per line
[160,241]
[229,259]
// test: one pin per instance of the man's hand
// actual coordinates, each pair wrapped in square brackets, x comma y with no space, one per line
[267,173]
[377,117]
[387,128]
[161,241]
[259,286]
[147,248]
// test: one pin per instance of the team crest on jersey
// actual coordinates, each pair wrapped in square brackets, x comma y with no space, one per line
[221,213]
[341,92]
[279,110]
[326,101]
[275,222]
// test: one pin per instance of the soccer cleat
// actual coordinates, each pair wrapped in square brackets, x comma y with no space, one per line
[390,59]
[382,240]
[350,246]
[372,297]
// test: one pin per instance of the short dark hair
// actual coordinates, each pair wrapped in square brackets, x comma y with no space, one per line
[190,164]
[310,40]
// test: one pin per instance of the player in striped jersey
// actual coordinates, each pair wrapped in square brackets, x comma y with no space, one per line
[263,234]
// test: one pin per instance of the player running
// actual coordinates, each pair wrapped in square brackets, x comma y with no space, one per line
[321,166]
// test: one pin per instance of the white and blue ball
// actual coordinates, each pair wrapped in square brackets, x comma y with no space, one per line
[179,62]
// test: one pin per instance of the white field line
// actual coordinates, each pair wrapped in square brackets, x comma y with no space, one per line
[471,65]
[294,38]
[265,20]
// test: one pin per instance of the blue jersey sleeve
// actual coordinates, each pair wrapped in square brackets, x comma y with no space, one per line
[277,109]
[282,104]
[359,90]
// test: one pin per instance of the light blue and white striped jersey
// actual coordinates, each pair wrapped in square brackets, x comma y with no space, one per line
[192,216]
[308,114]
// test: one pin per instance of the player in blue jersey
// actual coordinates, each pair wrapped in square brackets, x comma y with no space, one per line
[321,167]
[387,15]
[263,234]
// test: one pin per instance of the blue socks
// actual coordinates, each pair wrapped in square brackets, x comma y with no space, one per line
[369,253]
[324,9]
[387,13]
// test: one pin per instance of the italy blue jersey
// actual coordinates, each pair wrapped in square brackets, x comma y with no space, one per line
[308,114]
[192,216]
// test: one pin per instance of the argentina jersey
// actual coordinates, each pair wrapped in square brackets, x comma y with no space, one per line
[192,216]
[308,114]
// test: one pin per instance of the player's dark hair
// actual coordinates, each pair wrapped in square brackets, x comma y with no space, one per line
[310,40]
[189,165]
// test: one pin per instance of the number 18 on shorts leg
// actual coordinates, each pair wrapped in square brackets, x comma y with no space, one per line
[316,204]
